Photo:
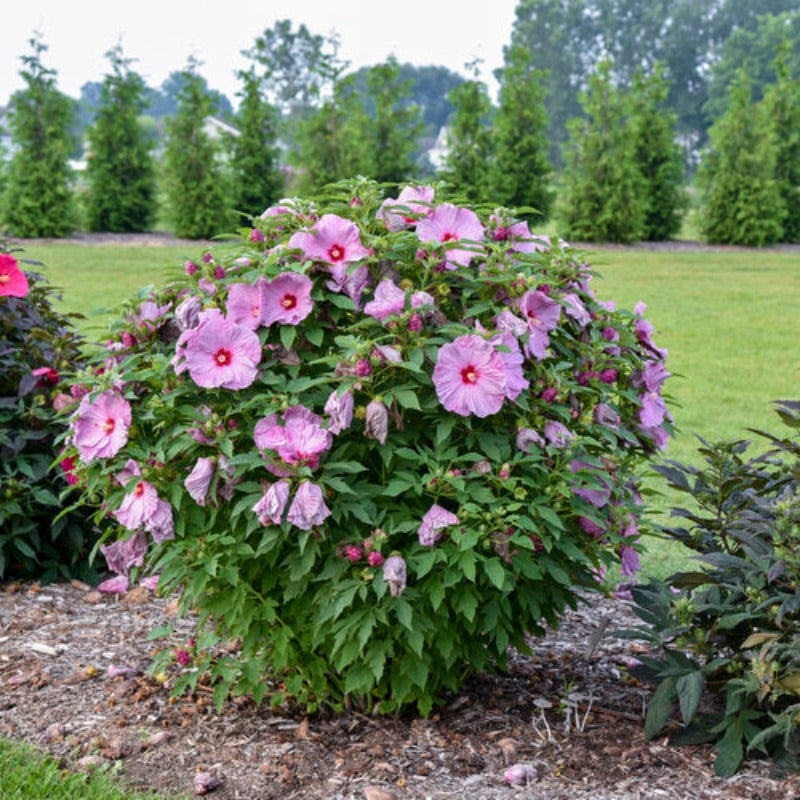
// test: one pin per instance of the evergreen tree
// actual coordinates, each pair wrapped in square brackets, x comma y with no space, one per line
[521,169]
[658,156]
[195,181]
[392,133]
[742,201]
[782,102]
[120,168]
[331,142]
[257,181]
[37,199]
[467,166]
[603,187]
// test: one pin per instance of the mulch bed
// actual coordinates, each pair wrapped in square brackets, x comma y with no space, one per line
[569,710]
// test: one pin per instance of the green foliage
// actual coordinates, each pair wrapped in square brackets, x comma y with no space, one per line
[37,199]
[603,198]
[33,542]
[782,105]
[196,191]
[314,617]
[521,169]
[331,141]
[391,135]
[730,629]
[467,166]
[257,181]
[26,774]
[742,201]
[658,156]
[120,169]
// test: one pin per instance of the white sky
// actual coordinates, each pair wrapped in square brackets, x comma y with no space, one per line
[161,34]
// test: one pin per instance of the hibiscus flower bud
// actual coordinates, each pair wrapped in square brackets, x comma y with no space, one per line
[377,421]
[256,236]
[609,376]
[375,559]
[352,553]
[183,657]
[363,368]
[207,257]
[549,394]
[520,775]
[415,323]
[190,268]
[394,573]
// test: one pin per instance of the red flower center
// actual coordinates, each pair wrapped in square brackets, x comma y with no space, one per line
[222,357]
[4,278]
[470,375]
[109,425]
[289,301]
[449,237]
[139,490]
[336,253]
[532,319]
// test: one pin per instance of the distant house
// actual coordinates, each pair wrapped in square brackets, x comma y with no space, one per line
[215,128]
[438,153]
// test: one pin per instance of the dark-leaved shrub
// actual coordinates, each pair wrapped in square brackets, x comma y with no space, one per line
[37,344]
[728,634]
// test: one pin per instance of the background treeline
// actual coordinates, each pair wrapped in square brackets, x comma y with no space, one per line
[615,107]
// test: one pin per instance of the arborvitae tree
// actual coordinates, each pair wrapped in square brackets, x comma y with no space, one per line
[521,169]
[257,180]
[658,156]
[37,199]
[392,134]
[782,101]
[120,170]
[331,144]
[467,166]
[742,201]
[196,194]
[602,186]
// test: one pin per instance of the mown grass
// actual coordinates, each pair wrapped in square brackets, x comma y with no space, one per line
[728,318]
[26,774]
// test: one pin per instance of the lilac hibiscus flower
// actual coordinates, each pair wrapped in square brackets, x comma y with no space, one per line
[411,204]
[199,480]
[287,299]
[449,223]
[269,509]
[339,408]
[333,239]
[470,377]
[100,426]
[542,315]
[245,303]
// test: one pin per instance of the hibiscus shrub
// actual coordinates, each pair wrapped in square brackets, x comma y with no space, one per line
[374,443]
[36,345]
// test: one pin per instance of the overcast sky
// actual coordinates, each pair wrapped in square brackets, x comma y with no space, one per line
[162,34]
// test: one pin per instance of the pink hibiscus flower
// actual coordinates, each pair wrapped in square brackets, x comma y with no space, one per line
[287,299]
[138,506]
[245,303]
[449,223]
[101,426]
[13,281]
[513,360]
[470,377]
[308,508]
[412,203]
[542,315]
[299,440]
[436,519]
[219,353]
[333,239]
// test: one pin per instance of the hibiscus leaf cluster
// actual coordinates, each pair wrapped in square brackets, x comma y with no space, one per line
[725,636]
[374,441]
[38,346]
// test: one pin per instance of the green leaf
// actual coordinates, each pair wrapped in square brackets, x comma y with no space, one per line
[397,486]
[288,334]
[729,751]
[407,399]
[404,612]
[690,689]
[494,570]
[659,708]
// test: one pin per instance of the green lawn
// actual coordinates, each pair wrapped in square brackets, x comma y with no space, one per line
[26,774]
[729,320]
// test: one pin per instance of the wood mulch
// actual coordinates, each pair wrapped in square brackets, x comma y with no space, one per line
[569,710]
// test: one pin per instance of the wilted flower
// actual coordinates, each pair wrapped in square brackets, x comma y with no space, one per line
[394,573]
[520,775]
[308,507]
[557,434]
[199,480]
[377,422]
[435,520]
[339,408]
[527,439]
[269,509]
